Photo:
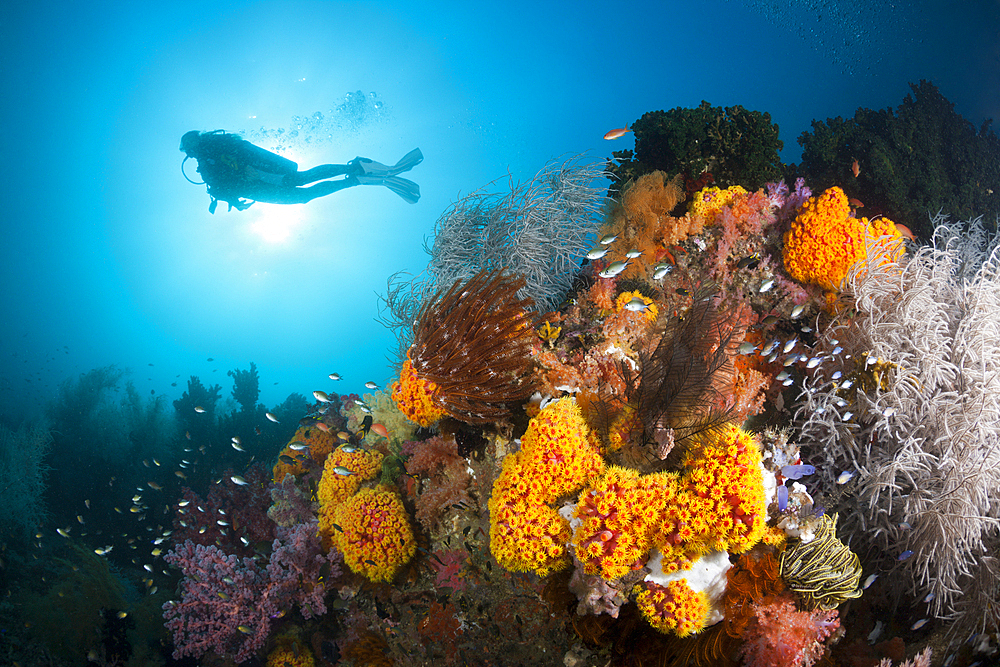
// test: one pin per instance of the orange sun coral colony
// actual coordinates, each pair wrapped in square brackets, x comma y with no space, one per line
[335,487]
[824,241]
[673,608]
[320,445]
[289,652]
[556,459]
[709,201]
[375,537]
[471,353]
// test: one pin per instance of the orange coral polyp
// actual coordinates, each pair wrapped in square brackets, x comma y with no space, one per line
[415,396]
[335,488]
[376,537]
[824,241]
[673,608]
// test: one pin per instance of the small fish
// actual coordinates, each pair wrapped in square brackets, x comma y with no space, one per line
[597,253]
[271,416]
[341,470]
[366,425]
[856,203]
[789,345]
[239,480]
[380,429]
[682,291]
[766,287]
[245,629]
[609,239]
[750,262]
[814,362]
[187,434]
[348,449]
[903,556]
[746,347]
[222,523]
[371,385]
[782,376]
[837,350]
[122,614]
[847,416]
[337,528]
[323,427]
[237,446]
[156,552]
[905,232]
[154,486]
[297,446]
[616,133]
[180,474]
[928,597]
[869,581]
[79,518]
[904,525]
[199,409]
[919,624]
[157,463]
[334,376]
[632,254]
[637,305]
[661,270]
[613,270]
[888,412]
[63,532]
[797,310]
[845,477]
[286,459]
[101,552]
[855,168]
[322,396]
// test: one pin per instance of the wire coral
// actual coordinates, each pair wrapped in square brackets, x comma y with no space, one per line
[471,353]
[539,230]
[824,241]
[923,438]
[375,536]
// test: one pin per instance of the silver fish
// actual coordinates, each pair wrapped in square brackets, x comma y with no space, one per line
[613,270]
[597,253]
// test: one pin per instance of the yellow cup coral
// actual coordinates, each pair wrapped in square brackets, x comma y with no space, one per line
[335,486]
[320,445]
[415,396]
[375,535]
[824,241]
[709,201]
[673,608]
[556,459]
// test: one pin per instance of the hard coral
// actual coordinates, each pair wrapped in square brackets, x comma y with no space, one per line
[471,354]
[673,608]
[375,537]
[824,241]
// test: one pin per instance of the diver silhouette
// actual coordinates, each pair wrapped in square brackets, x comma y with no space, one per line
[240,173]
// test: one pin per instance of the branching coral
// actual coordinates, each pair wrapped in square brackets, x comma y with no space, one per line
[471,354]
[923,439]
[538,230]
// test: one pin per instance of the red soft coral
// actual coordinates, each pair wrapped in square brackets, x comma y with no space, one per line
[438,459]
[781,636]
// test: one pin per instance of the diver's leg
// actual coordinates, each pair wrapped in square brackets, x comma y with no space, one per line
[303,195]
[319,173]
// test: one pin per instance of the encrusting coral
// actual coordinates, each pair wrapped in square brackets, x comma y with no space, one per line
[471,353]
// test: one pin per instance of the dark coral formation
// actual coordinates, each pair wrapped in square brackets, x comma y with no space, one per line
[474,342]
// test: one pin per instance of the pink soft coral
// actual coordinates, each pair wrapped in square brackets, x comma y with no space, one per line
[781,636]
[438,459]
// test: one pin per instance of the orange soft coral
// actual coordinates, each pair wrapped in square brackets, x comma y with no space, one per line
[673,608]
[824,241]
[375,537]
[320,445]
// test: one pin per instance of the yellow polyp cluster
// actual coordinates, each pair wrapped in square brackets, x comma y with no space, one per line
[335,488]
[290,653]
[375,537]
[556,458]
[709,201]
[320,445]
[415,396]
[650,312]
[824,241]
[725,487]
[673,608]
[617,515]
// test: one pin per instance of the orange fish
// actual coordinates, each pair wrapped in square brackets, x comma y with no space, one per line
[905,231]
[855,169]
[856,203]
[381,430]
[614,134]
[323,427]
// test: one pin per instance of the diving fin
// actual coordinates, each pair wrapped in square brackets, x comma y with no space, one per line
[405,188]
[367,167]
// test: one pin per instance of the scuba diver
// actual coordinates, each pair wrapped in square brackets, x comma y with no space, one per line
[239,173]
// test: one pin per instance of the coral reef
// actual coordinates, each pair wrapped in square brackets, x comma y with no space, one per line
[375,534]
[336,487]
[471,352]
[781,636]
[438,459]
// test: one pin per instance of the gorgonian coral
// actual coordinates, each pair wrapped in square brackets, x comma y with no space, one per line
[471,353]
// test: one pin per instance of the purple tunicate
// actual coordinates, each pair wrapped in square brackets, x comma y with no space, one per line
[782,498]
[797,471]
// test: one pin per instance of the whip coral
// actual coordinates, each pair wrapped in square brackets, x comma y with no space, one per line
[472,350]
[375,534]
[824,241]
